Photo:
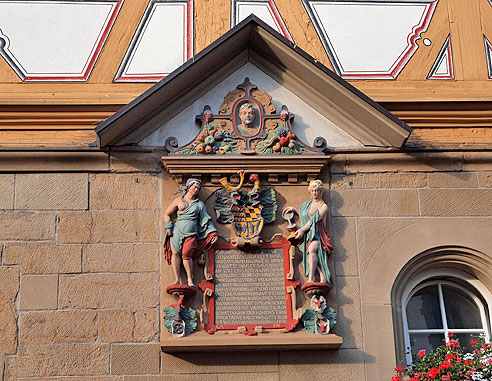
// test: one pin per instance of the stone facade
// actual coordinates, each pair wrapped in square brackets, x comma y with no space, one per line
[83,188]
[81,286]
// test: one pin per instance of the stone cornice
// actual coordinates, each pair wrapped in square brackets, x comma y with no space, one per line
[293,168]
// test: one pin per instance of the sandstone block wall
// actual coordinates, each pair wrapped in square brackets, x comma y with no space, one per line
[80,273]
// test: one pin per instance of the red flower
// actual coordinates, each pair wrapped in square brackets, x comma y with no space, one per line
[450,334]
[433,372]
[445,365]
[450,356]
[473,341]
[421,353]
[452,343]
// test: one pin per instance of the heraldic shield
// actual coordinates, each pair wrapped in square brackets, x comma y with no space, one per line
[248,221]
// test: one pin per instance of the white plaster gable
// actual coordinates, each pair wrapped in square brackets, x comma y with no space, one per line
[307,125]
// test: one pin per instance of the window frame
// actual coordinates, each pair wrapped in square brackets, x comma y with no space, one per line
[455,278]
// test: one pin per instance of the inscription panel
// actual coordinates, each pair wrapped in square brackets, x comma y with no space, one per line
[250,287]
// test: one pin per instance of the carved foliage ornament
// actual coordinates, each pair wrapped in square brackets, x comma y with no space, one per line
[247,123]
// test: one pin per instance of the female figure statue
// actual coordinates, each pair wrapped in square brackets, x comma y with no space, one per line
[191,234]
[315,243]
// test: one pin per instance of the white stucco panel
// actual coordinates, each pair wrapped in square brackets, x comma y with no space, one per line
[307,125]
[368,38]
[163,41]
[48,40]
[265,10]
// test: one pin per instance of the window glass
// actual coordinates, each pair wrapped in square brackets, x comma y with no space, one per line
[461,310]
[423,311]
[437,308]
[465,339]
[425,341]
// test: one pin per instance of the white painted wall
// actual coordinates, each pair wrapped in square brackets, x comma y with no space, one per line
[49,38]
[369,37]
[265,10]
[163,41]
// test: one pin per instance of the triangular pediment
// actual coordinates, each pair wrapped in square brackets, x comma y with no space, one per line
[324,105]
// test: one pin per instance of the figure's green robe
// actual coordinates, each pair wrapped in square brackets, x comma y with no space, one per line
[317,232]
[194,220]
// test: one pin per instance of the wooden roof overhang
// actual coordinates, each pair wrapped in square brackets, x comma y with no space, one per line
[254,41]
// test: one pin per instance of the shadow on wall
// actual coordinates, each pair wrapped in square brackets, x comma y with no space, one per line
[319,365]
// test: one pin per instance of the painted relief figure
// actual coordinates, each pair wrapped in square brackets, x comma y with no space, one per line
[247,116]
[191,234]
[315,244]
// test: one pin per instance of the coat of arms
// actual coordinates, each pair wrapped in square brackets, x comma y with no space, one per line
[246,211]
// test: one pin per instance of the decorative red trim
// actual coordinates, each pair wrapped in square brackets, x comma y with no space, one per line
[91,60]
[260,108]
[189,33]
[315,286]
[404,57]
[182,289]
[143,78]
[291,323]
[272,8]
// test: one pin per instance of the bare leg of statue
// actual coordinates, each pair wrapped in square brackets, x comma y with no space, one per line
[176,259]
[188,265]
[322,276]
[313,260]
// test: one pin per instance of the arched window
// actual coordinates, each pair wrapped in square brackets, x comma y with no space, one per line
[437,303]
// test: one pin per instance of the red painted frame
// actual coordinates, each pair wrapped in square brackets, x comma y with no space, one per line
[235,110]
[291,323]
[272,8]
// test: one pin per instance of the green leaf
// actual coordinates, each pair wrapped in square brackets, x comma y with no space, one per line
[188,314]
[169,312]
[190,326]
[308,314]
[168,323]
[331,315]
[310,326]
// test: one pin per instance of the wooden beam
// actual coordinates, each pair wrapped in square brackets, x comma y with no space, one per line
[70,93]
[54,117]
[426,91]
[420,64]
[302,30]
[7,74]
[212,20]
[118,41]
[450,136]
[468,39]
[486,20]
[44,138]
